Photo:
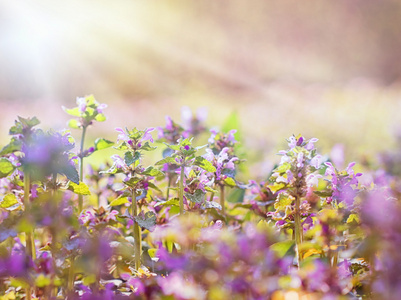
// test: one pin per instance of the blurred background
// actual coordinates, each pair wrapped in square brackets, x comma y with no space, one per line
[326,69]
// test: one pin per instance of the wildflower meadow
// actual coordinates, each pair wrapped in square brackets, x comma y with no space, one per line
[190,224]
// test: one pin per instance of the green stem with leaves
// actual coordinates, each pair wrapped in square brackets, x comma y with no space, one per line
[137,233]
[298,228]
[222,199]
[81,168]
[29,238]
[181,191]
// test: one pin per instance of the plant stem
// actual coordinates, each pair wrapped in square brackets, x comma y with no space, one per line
[298,228]
[137,233]
[71,277]
[222,199]
[181,192]
[29,238]
[169,177]
[81,168]
[211,196]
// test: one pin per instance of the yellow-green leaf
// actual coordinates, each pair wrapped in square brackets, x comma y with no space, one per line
[80,189]
[119,201]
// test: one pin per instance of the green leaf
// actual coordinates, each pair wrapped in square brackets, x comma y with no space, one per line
[150,171]
[209,189]
[129,159]
[132,182]
[73,111]
[282,202]
[353,218]
[73,123]
[100,118]
[286,248]
[211,204]
[283,168]
[236,196]
[6,167]
[70,172]
[80,189]
[204,164]
[173,147]
[153,186]
[42,281]
[9,201]
[323,194]
[277,186]
[147,147]
[197,197]
[170,202]
[147,220]
[29,122]
[166,160]
[123,146]
[101,143]
[19,282]
[88,280]
[152,252]
[119,201]
[229,181]
[14,145]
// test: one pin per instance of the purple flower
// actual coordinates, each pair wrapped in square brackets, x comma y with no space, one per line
[310,145]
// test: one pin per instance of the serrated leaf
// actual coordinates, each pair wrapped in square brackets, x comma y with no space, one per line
[14,145]
[170,202]
[80,189]
[229,181]
[101,143]
[132,181]
[197,197]
[70,172]
[150,171]
[119,201]
[286,248]
[282,202]
[9,201]
[73,123]
[147,220]
[166,160]
[6,167]
[211,204]
[129,159]
[147,147]
[204,164]
[29,122]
